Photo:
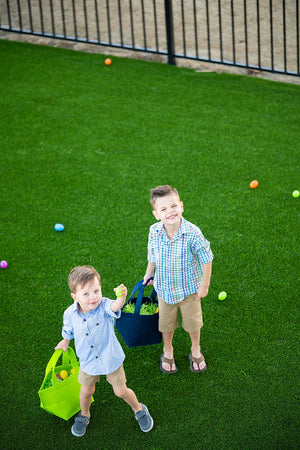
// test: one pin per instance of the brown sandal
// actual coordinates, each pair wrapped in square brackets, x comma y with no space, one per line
[163,359]
[197,361]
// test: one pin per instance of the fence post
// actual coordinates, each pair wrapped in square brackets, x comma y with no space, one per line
[170,31]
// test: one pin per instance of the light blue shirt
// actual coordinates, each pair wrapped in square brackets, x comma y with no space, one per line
[97,347]
[178,261]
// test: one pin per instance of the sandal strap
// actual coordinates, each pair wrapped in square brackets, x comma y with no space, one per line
[198,360]
[167,360]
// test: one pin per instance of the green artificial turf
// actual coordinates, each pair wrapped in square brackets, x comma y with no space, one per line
[82,144]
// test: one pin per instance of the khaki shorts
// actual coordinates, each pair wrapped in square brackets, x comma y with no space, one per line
[116,378]
[191,313]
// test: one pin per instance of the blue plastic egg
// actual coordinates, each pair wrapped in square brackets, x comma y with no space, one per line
[58,227]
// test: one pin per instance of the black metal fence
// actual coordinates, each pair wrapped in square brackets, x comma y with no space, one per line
[253,34]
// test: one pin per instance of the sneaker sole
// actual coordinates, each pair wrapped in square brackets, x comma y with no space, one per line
[76,434]
[150,428]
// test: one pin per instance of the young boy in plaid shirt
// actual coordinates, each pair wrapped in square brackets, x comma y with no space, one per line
[179,259]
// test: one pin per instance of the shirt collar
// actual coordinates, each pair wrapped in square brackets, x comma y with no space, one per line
[182,229]
[184,226]
[75,307]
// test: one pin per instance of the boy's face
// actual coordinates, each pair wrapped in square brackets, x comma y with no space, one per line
[88,296]
[169,210]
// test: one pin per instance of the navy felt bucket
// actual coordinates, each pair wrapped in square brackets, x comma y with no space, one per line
[137,329]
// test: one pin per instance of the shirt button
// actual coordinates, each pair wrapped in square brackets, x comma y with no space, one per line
[92,346]
[96,357]
[87,334]
[97,324]
[84,320]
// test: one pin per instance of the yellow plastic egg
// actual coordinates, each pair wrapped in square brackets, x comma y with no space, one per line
[63,374]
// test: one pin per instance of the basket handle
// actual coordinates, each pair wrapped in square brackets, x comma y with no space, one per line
[140,287]
[68,356]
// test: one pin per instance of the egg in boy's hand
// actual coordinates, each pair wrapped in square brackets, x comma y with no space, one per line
[120,291]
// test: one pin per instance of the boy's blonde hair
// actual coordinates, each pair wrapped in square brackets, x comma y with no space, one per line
[81,275]
[161,191]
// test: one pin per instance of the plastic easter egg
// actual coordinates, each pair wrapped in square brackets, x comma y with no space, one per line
[63,374]
[59,227]
[254,184]
[222,295]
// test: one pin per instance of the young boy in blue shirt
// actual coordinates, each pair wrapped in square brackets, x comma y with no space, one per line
[90,321]
[179,259]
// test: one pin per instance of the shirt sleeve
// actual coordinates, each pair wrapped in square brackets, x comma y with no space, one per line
[108,310]
[151,246]
[201,248]
[67,329]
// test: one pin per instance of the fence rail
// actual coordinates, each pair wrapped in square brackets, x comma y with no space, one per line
[254,34]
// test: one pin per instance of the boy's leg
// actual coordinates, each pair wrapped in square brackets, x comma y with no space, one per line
[141,412]
[192,320]
[168,320]
[86,393]
[195,350]
[168,351]
[87,390]
[118,381]
[83,418]
[128,396]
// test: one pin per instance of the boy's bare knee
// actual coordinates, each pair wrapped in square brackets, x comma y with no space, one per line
[120,391]
[87,391]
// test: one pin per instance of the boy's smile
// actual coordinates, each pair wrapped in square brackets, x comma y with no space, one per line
[169,210]
[88,296]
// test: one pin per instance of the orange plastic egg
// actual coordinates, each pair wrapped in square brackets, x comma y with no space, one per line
[254,184]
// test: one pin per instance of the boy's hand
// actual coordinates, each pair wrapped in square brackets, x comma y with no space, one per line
[121,293]
[202,292]
[149,274]
[63,345]
[147,280]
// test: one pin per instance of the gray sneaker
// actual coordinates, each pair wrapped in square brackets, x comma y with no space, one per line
[144,419]
[80,425]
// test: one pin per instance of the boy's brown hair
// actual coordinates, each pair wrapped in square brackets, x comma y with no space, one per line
[81,275]
[161,191]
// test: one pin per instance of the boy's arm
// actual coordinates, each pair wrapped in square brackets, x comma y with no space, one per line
[149,273]
[67,333]
[121,298]
[203,289]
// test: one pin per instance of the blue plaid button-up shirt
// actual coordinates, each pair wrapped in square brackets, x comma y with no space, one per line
[179,261]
